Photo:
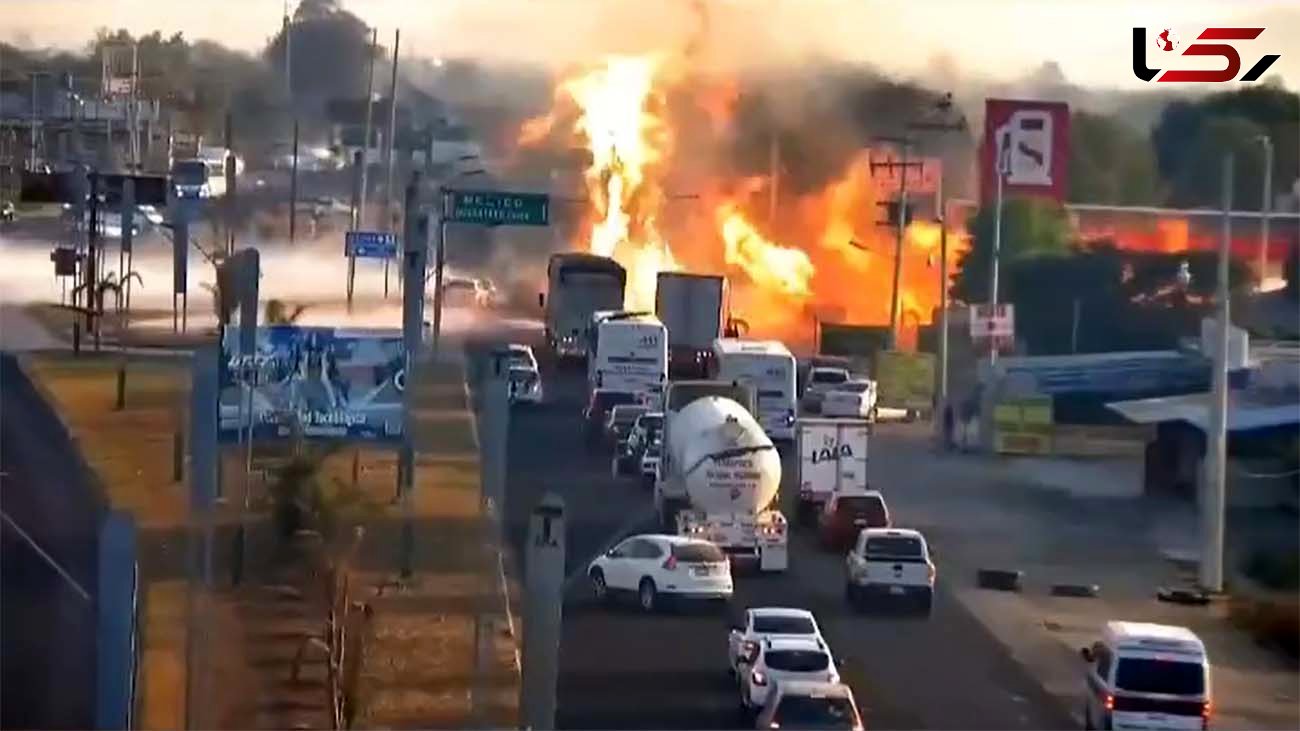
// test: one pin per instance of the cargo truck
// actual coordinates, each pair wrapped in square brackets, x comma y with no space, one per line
[832,461]
[693,308]
[720,474]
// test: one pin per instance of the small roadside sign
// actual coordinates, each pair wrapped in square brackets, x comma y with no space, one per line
[496,208]
[992,322]
[370,244]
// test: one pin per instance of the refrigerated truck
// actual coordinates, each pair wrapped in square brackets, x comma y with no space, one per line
[769,367]
[578,286]
[832,461]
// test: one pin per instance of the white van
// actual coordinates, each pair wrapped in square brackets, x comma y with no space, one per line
[1147,676]
[769,368]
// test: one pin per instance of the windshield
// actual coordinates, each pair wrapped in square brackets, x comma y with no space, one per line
[698,553]
[651,423]
[871,508]
[854,387]
[608,399]
[626,414]
[797,661]
[1171,677]
[801,711]
[192,171]
[780,625]
[829,376]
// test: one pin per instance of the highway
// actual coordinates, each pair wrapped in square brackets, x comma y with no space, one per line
[622,669]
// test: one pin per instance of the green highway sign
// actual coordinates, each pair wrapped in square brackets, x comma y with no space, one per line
[496,208]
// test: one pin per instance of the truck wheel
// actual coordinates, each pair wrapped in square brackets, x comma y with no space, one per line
[647,597]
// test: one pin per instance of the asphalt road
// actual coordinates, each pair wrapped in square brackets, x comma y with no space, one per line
[621,669]
[47,628]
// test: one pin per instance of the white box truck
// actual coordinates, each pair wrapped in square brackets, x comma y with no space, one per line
[832,461]
[720,474]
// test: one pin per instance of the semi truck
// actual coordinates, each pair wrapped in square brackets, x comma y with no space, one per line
[832,461]
[693,308]
[578,286]
[720,474]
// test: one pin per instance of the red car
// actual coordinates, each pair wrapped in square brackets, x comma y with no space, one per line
[844,517]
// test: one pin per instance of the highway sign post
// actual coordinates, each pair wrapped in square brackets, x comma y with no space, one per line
[496,208]
[370,244]
[994,324]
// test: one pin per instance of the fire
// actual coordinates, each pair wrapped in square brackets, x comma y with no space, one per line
[822,252]
[769,265]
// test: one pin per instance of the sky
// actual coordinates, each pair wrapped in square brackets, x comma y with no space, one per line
[1000,39]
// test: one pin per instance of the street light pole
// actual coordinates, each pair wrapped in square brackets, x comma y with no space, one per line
[997,242]
[1265,208]
[365,142]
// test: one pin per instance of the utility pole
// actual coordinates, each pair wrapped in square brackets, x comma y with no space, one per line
[365,143]
[1003,157]
[230,185]
[1265,208]
[293,186]
[415,248]
[774,182]
[391,146]
[905,144]
[287,27]
[32,163]
[1216,442]
[358,163]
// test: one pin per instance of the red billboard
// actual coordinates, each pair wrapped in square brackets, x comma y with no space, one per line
[1032,141]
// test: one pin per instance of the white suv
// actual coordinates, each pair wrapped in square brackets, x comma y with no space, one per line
[800,704]
[763,623]
[890,563]
[780,660]
[653,566]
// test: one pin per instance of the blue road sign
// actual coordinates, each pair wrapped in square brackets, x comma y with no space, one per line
[370,244]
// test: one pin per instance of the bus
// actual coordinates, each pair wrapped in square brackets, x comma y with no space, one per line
[628,351]
[769,368]
[578,285]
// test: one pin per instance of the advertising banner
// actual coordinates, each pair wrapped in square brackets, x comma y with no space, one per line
[322,382]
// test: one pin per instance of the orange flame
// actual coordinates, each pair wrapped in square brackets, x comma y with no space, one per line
[769,265]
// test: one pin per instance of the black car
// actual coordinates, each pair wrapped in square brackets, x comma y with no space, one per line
[597,410]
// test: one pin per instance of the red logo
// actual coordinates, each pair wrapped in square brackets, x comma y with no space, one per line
[1167,40]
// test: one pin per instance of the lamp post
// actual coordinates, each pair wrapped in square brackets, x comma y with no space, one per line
[1266,207]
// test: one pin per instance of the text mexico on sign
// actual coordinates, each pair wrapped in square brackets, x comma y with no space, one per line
[496,208]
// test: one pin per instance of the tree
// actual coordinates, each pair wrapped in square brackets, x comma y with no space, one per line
[1111,163]
[1199,181]
[1031,227]
[329,52]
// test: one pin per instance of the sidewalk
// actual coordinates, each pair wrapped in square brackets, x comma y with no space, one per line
[981,512]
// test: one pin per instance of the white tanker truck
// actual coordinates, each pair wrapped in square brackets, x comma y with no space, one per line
[720,473]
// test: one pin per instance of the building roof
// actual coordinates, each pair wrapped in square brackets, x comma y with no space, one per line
[1248,408]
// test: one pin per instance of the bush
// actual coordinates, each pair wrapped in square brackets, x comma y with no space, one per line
[1275,570]
[1272,623]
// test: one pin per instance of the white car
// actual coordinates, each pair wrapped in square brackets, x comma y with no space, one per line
[1142,675]
[516,355]
[801,704]
[820,380]
[890,563]
[765,623]
[653,566]
[851,399]
[525,385]
[781,660]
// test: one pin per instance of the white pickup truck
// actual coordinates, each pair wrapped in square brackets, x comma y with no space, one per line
[832,461]
[890,563]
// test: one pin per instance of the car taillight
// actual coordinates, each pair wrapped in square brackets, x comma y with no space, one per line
[670,563]
[1206,709]
[749,650]
[930,571]
[1110,702]
[758,678]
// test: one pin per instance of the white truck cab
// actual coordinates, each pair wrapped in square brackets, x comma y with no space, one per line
[1146,676]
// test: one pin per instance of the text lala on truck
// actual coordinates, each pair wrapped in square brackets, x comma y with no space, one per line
[627,351]
[720,473]
[578,286]
[832,461]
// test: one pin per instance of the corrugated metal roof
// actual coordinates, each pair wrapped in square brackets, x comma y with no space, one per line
[1250,408]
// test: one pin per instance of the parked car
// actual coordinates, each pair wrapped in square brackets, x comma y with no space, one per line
[653,567]
[801,704]
[890,563]
[820,381]
[843,517]
[853,399]
[596,411]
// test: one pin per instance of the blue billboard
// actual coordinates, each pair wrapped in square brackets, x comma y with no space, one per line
[322,382]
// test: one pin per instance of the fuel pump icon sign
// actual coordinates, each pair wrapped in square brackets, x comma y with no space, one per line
[1026,142]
